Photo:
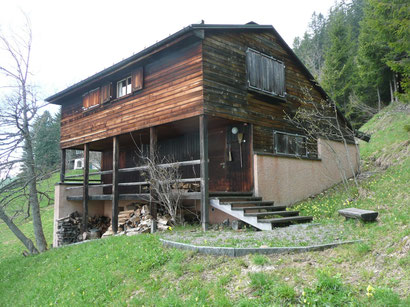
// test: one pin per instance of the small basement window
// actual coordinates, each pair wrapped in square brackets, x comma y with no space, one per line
[290,144]
[265,73]
[124,87]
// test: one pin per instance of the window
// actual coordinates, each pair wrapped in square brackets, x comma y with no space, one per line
[91,98]
[124,87]
[131,84]
[290,144]
[265,74]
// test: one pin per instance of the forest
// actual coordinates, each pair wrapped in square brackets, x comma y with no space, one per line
[359,54]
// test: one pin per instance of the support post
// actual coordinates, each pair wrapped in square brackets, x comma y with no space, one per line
[115,191]
[203,149]
[62,169]
[85,186]
[152,152]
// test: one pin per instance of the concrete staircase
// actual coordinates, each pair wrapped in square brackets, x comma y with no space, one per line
[263,215]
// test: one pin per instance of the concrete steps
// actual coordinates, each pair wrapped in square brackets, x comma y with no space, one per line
[263,215]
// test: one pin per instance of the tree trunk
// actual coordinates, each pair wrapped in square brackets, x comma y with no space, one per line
[32,181]
[21,236]
[391,92]
[379,103]
[395,88]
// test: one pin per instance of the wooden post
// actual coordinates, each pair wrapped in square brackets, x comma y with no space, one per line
[115,192]
[203,149]
[85,186]
[62,169]
[152,153]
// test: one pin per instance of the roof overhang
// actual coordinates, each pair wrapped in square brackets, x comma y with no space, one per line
[192,30]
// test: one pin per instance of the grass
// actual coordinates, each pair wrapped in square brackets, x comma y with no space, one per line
[136,271]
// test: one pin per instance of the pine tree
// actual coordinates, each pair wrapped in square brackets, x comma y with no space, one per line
[46,137]
[338,73]
[385,41]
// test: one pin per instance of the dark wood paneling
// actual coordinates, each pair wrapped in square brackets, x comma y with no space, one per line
[225,83]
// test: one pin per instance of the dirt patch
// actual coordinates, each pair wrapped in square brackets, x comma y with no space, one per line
[394,155]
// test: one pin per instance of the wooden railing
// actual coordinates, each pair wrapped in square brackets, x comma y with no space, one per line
[69,178]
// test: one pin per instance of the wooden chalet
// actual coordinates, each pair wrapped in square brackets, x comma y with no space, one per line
[214,98]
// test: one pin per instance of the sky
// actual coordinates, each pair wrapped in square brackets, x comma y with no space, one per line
[74,39]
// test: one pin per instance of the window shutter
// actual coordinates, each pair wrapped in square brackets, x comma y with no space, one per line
[106,93]
[265,73]
[94,97]
[86,101]
[138,79]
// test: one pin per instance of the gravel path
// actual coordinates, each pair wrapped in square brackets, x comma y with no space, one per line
[295,235]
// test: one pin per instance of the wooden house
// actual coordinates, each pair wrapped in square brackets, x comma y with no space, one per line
[214,97]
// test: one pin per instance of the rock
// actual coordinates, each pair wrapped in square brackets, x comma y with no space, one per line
[236,225]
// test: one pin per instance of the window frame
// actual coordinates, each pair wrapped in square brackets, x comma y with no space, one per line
[286,153]
[127,85]
[261,90]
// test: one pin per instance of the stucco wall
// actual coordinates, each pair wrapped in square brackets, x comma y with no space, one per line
[63,207]
[288,180]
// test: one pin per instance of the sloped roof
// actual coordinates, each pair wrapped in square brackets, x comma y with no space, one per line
[249,26]
[254,26]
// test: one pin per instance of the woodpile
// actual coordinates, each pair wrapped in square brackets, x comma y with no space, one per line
[69,228]
[188,187]
[131,222]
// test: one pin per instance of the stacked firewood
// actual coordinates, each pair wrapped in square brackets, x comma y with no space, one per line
[188,187]
[69,227]
[138,221]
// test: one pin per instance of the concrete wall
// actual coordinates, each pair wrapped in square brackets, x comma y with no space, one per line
[63,207]
[288,180]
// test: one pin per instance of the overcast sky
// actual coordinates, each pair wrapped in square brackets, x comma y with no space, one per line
[75,39]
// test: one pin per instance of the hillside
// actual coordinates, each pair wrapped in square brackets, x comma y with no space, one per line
[138,271]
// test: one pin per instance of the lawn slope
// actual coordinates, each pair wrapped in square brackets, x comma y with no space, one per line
[136,271]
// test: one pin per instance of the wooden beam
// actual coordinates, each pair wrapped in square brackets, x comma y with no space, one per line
[62,169]
[115,191]
[152,152]
[85,185]
[203,149]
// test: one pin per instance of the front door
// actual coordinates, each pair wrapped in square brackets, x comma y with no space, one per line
[230,164]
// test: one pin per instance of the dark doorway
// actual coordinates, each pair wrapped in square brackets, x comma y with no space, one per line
[230,165]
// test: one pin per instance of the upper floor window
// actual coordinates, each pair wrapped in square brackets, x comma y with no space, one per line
[131,83]
[106,92]
[91,98]
[265,73]
[124,87]
[290,144]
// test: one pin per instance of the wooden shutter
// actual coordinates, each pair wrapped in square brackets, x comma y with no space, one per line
[265,73]
[106,92]
[86,101]
[137,79]
[92,98]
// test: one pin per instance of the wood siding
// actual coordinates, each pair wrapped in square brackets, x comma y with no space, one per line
[225,83]
[172,90]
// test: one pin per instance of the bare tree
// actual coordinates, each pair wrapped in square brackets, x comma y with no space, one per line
[18,107]
[322,120]
[165,185]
